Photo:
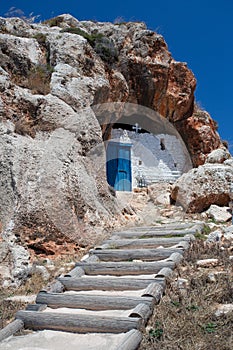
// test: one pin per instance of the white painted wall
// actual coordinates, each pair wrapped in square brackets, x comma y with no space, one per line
[146,150]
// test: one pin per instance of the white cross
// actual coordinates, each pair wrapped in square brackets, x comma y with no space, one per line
[136,127]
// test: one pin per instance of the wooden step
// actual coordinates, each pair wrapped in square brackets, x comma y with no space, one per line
[124,268]
[132,254]
[154,233]
[143,243]
[92,302]
[168,226]
[108,283]
[77,323]
[84,312]
[131,340]
[11,329]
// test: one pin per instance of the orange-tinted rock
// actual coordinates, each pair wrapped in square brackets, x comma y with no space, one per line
[200,135]
[155,80]
[180,92]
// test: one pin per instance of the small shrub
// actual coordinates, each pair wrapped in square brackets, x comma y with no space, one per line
[102,45]
[41,38]
[209,327]
[192,308]
[206,230]
[199,235]
[157,332]
[91,38]
[106,50]
[3,29]
[38,79]
[24,127]
[175,303]
[225,143]
[215,124]
[54,22]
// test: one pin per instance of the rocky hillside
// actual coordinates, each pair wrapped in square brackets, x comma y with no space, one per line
[52,185]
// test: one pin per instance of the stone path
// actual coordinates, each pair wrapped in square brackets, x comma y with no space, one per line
[107,299]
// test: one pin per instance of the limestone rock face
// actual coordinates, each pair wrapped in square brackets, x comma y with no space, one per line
[199,188]
[156,81]
[14,259]
[52,161]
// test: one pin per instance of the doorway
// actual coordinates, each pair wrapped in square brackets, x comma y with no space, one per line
[119,171]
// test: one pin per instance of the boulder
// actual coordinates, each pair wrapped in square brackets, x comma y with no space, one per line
[207,263]
[5,272]
[20,54]
[208,184]
[223,309]
[228,233]
[218,156]
[40,270]
[160,193]
[4,251]
[214,236]
[217,213]
[15,26]
[20,257]
[14,262]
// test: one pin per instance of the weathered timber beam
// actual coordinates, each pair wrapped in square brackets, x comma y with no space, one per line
[144,242]
[75,272]
[168,226]
[141,310]
[131,340]
[175,257]
[77,323]
[92,302]
[154,290]
[39,306]
[154,233]
[54,287]
[182,245]
[11,329]
[165,272]
[108,283]
[124,268]
[131,254]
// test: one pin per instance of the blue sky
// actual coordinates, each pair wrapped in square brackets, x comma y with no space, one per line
[197,32]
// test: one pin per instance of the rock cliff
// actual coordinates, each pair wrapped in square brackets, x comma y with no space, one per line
[50,75]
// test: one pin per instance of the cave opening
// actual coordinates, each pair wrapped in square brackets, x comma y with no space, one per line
[141,147]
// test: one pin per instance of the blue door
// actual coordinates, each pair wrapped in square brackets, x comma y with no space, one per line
[119,166]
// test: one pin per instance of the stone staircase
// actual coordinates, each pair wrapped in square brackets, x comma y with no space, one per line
[107,299]
[165,176]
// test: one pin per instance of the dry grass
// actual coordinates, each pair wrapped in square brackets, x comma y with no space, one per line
[8,308]
[31,286]
[184,320]
[38,80]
